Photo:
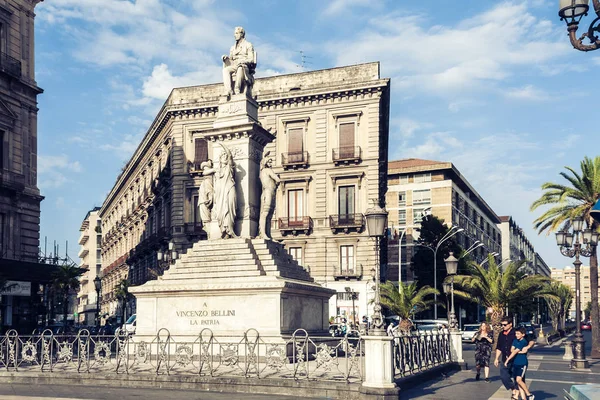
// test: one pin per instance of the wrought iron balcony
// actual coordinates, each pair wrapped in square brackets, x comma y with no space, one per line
[298,159]
[346,155]
[346,222]
[295,225]
[10,65]
[348,273]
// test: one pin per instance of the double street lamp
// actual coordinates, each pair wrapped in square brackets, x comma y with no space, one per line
[570,246]
[376,224]
[572,11]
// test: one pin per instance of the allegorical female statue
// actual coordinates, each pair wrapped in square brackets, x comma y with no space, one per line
[206,191]
[225,196]
[269,181]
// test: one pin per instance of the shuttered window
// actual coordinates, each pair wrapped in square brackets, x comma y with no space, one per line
[347,140]
[347,259]
[295,144]
[295,207]
[201,152]
[346,204]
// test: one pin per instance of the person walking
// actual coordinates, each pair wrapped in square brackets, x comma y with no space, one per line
[503,348]
[520,363]
[483,350]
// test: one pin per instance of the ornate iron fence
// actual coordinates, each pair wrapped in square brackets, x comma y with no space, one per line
[298,357]
[417,352]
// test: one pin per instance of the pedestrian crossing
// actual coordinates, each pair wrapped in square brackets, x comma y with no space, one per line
[11,397]
[503,394]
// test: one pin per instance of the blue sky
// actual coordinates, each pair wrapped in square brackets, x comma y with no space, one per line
[493,87]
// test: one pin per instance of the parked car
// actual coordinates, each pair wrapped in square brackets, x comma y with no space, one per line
[130,325]
[528,329]
[469,331]
[586,326]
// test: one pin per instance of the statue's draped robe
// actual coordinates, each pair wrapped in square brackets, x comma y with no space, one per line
[225,199]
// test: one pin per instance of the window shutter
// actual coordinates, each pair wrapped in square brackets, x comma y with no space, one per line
[347,140]
[295,144]
[201,152]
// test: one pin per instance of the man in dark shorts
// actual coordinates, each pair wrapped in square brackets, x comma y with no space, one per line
[505,341]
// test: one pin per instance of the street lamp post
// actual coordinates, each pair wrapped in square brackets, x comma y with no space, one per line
[376,223]
[571,247]
[447,236]
[572,11]
[98,287]
[352,294]
[493,254]
[451,268]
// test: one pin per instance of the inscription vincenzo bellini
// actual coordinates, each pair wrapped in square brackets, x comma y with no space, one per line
[205,317]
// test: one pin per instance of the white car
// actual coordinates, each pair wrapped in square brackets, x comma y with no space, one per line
[469,331]
[130,325]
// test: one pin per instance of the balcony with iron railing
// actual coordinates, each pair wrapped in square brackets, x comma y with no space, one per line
[294,160]
[346,155]
[348,273]
[295,225]
[346,222]
[10,65]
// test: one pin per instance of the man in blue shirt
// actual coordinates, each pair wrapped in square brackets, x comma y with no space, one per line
[519,357]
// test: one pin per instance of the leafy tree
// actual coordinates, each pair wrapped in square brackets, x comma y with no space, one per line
[588,310]
[559,306]
[123,295]
[496,287]
[406,300]
[575,199]
[65,280]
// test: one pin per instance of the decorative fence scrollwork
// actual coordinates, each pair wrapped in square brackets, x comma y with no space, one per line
[417,352]
[298,356]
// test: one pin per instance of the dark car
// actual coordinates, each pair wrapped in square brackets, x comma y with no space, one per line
[529,331]
[586,326]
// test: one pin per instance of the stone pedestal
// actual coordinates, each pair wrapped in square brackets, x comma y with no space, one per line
[236,110]
[456,347]
[568,351]
[379,368]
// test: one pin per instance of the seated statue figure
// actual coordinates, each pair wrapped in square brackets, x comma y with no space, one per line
[239,66]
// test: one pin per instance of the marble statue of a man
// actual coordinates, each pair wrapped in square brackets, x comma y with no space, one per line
[240,65]
[269,181]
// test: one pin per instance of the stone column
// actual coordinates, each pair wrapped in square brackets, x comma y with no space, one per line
[237,129]
[379,368]
[456,347]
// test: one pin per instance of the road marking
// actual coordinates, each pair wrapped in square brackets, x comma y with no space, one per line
[502,393]
[565,382]
[11,397]
[583,371]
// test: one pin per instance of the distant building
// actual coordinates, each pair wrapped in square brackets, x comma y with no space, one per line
[330,152]
[19,194]
[90,259]
[541,268]
[566,276]
[417,186]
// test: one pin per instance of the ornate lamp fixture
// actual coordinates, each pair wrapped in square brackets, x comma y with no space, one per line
[451,269]
[98,287]
[572,11]
[571,247]
[376,224]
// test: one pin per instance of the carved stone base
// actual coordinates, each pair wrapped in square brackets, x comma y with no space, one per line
[235,110]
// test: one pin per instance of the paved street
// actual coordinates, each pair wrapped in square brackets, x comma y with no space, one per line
[548,375]
[60,392]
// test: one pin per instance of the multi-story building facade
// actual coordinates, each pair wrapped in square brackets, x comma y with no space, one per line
[566,276]
[541,268]
[416,186]
[90,241]
[330,152]
[19,194]
[515,244]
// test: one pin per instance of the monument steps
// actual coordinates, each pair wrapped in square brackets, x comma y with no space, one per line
[202,270]
[194,257]
[211,275]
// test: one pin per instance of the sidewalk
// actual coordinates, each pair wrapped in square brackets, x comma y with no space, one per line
[547,376]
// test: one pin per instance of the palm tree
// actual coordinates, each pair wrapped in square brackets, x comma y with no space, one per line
[496,288]
[122,293]
[406,300]
[559,307]
[66,279]
[576,199]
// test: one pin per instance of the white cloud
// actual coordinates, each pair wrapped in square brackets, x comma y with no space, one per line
[124,148]
[339,6]
[53,170]
[407,127]
[474,54]
[528,92]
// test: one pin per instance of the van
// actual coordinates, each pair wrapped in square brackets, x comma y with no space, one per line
[130,325]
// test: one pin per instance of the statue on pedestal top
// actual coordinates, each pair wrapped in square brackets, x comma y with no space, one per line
[269,181]
[239,66]
[225,200]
